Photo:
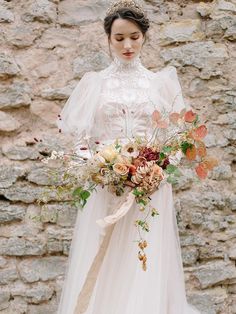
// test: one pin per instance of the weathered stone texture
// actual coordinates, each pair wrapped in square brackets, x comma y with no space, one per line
[46,47]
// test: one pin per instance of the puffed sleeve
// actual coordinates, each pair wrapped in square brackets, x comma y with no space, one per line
[79,110]
[77,116]
[166,90]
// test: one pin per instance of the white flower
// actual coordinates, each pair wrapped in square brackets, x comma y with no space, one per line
[130,150]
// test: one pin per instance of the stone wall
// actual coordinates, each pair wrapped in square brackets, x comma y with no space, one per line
[46,46]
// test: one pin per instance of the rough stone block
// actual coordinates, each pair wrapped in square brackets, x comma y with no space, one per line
[21,247]
[181,31]
[8,275]
[90,62]
[200,55]
[46,268]
[9,213]
[6,15]
[221,172]
[47,111]
[8,123]
[57,93]
[38,293]
[22,36]
[210,301]
[9,175]
[43,11]
[20,152]
[8,66]
[213,273]
[189,255]
[14,96]
[71,13]
[4,298]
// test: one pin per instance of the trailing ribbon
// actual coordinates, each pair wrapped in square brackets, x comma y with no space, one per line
[122,211]
[90,281]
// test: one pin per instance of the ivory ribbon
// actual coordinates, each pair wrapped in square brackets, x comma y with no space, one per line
[89,284]
[122,211]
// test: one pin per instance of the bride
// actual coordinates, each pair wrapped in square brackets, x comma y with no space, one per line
[104,275]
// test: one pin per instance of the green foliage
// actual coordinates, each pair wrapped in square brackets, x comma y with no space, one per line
[154,212]
[185,145]
[171,169]
[143,224]
[81,196]
[167,149]
[137,192]
[162,156]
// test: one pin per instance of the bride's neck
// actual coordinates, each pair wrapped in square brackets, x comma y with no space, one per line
[127,64]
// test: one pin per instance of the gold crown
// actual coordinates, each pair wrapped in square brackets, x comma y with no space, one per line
[130,4]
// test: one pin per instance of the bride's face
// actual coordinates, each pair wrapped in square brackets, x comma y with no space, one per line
[126,39]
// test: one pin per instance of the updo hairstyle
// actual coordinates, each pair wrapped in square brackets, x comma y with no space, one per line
[127,14]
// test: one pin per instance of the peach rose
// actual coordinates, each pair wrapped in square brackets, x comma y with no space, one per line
[120,169]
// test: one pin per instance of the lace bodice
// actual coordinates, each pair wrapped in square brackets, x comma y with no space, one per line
[118,102]
[124,108]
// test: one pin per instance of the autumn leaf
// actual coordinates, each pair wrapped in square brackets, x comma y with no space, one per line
[184,146]
[191,153]
[174,117]
[182,113]
[210,162]
[199,133]
[162,124]
[201,149]
[201,171]
[190,116]
[156,115]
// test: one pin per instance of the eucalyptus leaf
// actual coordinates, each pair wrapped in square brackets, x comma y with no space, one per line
[77,191]
[167,149]
[171,169]
[85,194]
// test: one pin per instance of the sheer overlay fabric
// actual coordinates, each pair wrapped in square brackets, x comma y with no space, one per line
[104,275]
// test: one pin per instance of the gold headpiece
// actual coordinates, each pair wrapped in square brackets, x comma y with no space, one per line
[130,4]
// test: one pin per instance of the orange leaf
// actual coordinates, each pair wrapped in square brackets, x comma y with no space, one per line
[182,113]
[210,162]
[190,116]
[191,153]
[174,117]
[201,149]
[199,133]
[201,171]
[156,116]
[162,124]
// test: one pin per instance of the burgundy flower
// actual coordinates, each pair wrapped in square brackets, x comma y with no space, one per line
[149,154]
[165,163]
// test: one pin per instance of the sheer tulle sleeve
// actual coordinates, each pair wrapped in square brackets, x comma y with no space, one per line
[77,116]
[78,113]
[166,90]
[166,93]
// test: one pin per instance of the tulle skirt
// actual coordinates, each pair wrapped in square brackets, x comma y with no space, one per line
[119,285]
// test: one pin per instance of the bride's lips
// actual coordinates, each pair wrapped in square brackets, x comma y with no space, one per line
[128,54]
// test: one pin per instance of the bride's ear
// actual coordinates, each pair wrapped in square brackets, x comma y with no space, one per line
[109,46]
[144,39]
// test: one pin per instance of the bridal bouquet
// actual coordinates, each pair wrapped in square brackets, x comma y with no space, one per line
[138,165]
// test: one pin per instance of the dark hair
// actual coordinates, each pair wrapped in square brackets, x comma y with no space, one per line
[127,14]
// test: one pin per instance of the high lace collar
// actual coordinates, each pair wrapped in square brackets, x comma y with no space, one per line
[133,65]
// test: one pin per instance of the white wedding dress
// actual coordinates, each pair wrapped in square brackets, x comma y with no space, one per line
[118,102]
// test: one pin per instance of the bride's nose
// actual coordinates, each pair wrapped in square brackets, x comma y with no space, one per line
[127,43]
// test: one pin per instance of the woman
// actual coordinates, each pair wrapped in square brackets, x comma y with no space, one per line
[104,275]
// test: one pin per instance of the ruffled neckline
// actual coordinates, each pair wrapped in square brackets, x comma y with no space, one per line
[127,66]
